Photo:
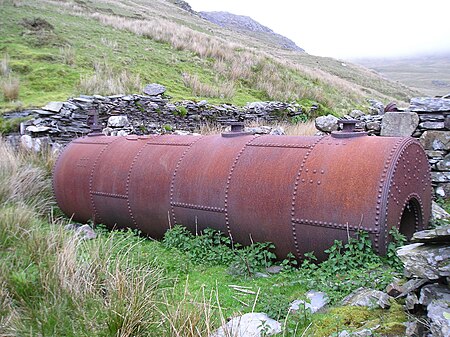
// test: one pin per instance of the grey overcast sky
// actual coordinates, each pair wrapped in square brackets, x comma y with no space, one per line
[350,28]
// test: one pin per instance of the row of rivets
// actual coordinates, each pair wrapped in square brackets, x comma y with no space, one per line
[227,187]
[172,184]
[199,207]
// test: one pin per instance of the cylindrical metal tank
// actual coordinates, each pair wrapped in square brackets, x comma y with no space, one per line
[301,193]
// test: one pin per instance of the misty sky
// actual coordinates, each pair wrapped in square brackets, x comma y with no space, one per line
[350,28]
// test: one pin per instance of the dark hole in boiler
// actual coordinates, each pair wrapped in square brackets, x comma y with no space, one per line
[411,218]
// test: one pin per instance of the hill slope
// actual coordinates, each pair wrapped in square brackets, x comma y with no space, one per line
[251,27]
[63,48]
[429,74]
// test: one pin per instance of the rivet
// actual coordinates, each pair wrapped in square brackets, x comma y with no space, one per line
[318,183]
[315,171]
[311,181]
[306,170]
[322,171]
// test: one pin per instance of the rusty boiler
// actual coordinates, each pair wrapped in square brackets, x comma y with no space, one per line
[301,193]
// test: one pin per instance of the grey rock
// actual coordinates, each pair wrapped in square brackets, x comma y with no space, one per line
[436,298]
[122,133]
[376,107]
[44,112]
[118,121]
[435,140]
[433,117]
[412,329]
[53,106]
[440,177]
[435,154]
[432,125]
[82,99]
[315,301]
[438,213]
[411,286]
[364,297]
[249,325]
[438,235]
[327,123]
[262,130]
[85,232]
[444,164]
[30,144]
[399,124]
[429,104]
[443,190]
[37,129]
[154,89]
[274,269]
[427,262]
[411,301]
[277,131]
[373,126]
[356,114]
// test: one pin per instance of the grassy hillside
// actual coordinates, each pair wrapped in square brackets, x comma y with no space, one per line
[51,50]
[429,74]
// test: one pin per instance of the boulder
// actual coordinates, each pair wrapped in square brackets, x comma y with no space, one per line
[327,123]
[399,124]
[429,104]
[249,325]
[435,140]
[364,297]
[154,89]
[428,262]
[118,121]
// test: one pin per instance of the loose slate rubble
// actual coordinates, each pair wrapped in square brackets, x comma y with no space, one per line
[427,262]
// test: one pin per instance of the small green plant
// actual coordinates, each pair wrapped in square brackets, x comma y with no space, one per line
[211,247]
[398,240]
[167,127]
[181,111]
[303,118]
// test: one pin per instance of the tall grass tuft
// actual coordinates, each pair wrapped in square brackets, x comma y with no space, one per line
[108,81]
[10,87]
[68,55]
[222,89]
[25,178]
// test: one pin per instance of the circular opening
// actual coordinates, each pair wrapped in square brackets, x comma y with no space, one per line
[411,218]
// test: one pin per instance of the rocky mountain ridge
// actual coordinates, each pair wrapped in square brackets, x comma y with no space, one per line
[246,24]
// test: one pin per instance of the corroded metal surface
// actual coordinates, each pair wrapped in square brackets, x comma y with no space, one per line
[301,193]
